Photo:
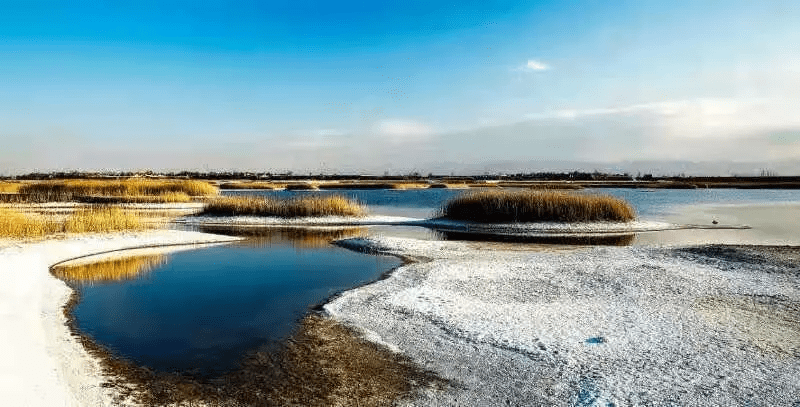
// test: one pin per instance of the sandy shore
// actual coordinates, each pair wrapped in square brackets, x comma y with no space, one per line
[41,363]
[588,326]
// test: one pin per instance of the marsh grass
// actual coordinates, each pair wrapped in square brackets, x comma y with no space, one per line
[168,197]
[252,185]
[9,187]
[72,190]
[18,225]
[15,224]
[283,208]
[102,219]
[127,268]
[498,206]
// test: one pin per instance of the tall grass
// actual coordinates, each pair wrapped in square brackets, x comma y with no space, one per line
[14,224]
[12,187]
[70,190]
[495,206]
[284,208]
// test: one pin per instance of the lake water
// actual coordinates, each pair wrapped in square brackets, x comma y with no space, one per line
[773,214]
[200,311]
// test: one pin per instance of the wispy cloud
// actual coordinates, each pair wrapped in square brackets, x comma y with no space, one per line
[403,130]
[533,66]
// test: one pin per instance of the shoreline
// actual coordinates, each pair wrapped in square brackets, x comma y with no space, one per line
[42,363]
[412,307]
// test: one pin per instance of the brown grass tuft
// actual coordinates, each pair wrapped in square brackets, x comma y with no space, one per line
[252,185]
[102,219]
[70,190]
[11,187]
[496,206]
[126,268]
[284,208]
[18,225]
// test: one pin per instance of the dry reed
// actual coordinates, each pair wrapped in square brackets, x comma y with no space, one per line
[69,190]
[284,208]
[252,185]
[495,206]
[102,219]
[127,268]
[11,187]
[14,224]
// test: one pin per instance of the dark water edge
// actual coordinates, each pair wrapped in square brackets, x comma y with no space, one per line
[261,330]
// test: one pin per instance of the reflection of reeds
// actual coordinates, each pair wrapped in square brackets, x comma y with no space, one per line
[283,207]
[69,190]
[127,268]
[536,206]
[306,237]
[589,240]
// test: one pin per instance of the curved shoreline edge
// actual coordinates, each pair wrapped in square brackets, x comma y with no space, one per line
[41,362]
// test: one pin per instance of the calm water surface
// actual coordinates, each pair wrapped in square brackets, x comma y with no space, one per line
[204,309]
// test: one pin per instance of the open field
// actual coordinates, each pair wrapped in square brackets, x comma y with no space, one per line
[536,206]
[284,208]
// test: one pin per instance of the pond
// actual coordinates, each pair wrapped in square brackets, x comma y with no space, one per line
[200,311]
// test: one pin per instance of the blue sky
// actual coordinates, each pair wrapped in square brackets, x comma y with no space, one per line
[412,86]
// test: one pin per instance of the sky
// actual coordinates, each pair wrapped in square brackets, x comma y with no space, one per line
[412,86]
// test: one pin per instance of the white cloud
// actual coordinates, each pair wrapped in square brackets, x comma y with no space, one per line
[533,65]
[330,132]
[403,130]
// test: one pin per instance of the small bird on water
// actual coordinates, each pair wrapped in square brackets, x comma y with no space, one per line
[714,222]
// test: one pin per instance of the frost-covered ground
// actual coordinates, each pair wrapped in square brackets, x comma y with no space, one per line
[588,326]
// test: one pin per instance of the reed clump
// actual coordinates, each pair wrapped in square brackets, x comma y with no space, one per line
[14,224]
[500,206]
[285,208]
[102,219]
[252,185]
[72,190]
[9,187]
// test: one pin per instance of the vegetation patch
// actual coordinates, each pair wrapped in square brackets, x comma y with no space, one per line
[75,190]
[9,187]
[502,206]
[15,224]
[18,225]
[252,185]
[284,208]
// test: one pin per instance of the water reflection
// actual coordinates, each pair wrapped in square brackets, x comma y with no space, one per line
[303,238]
[120,269]
[599,240]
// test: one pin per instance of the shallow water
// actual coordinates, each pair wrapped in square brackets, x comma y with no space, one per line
[201,311]
[773,214]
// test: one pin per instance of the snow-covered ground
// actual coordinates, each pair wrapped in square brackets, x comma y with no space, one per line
[588,326]
[41,364]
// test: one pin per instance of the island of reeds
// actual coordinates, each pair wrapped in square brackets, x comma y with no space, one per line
[503,206]
[304,206]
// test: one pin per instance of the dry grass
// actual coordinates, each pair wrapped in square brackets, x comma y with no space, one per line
[284,208]
[410,185]
[14,224]
[536,206]
[252,185]
[70,190]
[11,187]
[127,268]
[102,219]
